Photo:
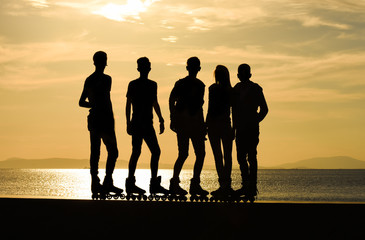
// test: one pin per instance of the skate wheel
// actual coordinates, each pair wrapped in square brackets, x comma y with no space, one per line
[108,196]
[150,197]
[102,196]
[163,198]
[115,197]
[144,197]
[122,196]
[94,197]
[157,198]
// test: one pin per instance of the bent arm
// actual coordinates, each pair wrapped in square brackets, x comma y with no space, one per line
[263,109]
[82,101]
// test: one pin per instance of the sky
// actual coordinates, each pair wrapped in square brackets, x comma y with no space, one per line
[308,56]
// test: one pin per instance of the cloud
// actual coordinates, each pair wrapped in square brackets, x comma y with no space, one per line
[124,12]
[171,39]
[314,21]
[206,18]
[39,3]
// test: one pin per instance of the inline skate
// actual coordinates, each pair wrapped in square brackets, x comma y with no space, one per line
[176,192]
[248,192]
[110,190]
[197,193]
[223,194]
[157,192]
[134,192]
[96,189]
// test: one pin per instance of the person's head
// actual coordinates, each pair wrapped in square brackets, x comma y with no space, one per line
[143,65]
[221,74]
[100,60]
[244,72]
[193,65]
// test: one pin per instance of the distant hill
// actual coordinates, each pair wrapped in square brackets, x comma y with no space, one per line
[338,162]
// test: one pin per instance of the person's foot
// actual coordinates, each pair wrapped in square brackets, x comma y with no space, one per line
[155,186]
[130,186]
[175,187]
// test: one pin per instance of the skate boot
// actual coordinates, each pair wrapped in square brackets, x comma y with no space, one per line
[134,192]
[218,195]
[96,188]
[240,194]
[110,190]
[176,192]
[157,192]
[224,193]
[252,192]
[196,191]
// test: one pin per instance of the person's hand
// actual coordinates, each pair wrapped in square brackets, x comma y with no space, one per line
[172,122]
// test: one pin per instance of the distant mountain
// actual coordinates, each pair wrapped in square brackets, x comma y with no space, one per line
[338,162]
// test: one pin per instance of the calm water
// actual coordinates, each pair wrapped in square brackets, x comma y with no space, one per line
[274,185]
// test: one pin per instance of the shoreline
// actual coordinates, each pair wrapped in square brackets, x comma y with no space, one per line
[180,220]
[124,200]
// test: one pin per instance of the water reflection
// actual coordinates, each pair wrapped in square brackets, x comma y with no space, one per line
[274,185]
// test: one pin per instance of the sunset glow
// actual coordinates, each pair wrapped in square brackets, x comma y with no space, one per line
[308,56]
[124,12]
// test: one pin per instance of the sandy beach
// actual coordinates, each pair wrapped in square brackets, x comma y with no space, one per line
[179,220]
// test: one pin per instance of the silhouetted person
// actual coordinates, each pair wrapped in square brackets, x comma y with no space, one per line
[142,97]
[187,120]
[249,109]
[220,131]
[96,96]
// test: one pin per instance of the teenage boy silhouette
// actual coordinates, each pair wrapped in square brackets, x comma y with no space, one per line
[187,120]
[100,123]
[248,110]
[142,99]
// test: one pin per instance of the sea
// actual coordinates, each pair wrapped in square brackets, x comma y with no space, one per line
[301,185]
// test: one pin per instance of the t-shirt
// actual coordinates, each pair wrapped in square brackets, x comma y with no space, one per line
[97,87]
[187,98]
[142,93]
[189,95]
[247,97]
